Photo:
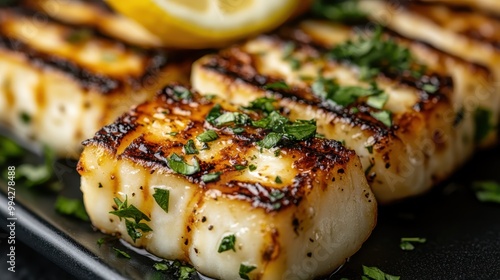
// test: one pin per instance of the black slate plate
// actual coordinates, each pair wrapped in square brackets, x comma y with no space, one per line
[463,234]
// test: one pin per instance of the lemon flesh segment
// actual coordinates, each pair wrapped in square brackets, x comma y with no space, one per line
[206,23]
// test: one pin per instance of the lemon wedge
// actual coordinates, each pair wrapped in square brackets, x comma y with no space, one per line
[207,23]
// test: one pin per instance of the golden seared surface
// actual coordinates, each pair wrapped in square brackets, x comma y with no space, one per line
[59,82]
[282,201]
[408,141]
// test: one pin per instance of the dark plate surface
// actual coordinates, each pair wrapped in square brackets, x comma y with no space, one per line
[463,234]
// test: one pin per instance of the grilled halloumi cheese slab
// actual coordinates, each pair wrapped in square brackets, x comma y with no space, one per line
[59,84]
[465,33]
[96,14]
[231,202]
[424,130]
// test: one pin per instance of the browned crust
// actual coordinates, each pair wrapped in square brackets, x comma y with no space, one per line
[156,60]
[314,158]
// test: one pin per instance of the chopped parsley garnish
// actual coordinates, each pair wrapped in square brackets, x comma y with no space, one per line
[190,148]
[71,207]
[278,180]
[252,167]
[301,129]
[185,272]
[483,125]
[161,197]
[227,243]
[270,140]
[406,243]
[231,117]
[160,266]
[244,270]
[40,174]
[369,148]
[281,126]
[210,177]
[10,150]
[377,101]
[239,167]
[263,104]
[430,88]
[181,93]
[487,191]
[330,90]
[383,116]
[25,117]
[277,85]
[339,10]
[175,269]
[120,253]
[133,218]
[207,136]
[373,273]
[100,241]
[373,54]
[213,114]
[177,164]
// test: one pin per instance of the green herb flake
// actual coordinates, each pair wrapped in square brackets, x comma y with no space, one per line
[237,130]
[100,241]
[231,117]
[239,167]
[263,104]
[25,118]
[270,140]
[383,116]
[177,164]
[252,167]
[174,133]
[330,90]
[483,125]
[374,53]
[377,101]
[133,217]
[406,243]
[277,85]
[207,136]
[211,177]
[185,272]
[161,266]
[121,254]
[10,150]
[190,148]
[278,180]
[227,243]
[213,114]
[39,174]
[369,148]
[277,152]
[340,11]
[301,129]
[377,274]
[182,93]
[487,191]
[245,270]
[161,197]
[71,207]
[430,88]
